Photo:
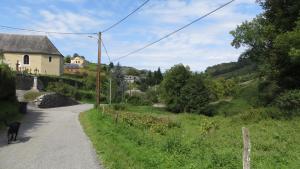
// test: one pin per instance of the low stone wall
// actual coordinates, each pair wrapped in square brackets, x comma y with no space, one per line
[54,100]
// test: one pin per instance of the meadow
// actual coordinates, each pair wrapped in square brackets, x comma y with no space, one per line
[147,137]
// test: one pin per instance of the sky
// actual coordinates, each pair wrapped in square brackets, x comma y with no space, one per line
[203,44]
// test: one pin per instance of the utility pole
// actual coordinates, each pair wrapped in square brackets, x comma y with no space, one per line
[110,90]
[98,78]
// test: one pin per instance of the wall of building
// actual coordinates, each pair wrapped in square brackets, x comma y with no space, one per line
[36,62]
[55,67]
[13,58]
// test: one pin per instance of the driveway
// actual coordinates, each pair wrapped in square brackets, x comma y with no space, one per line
[50,139]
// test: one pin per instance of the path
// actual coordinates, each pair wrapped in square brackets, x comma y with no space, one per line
[50,139]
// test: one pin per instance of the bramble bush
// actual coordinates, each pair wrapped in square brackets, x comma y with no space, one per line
[289,101]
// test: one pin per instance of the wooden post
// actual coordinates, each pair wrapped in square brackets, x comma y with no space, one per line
[247,148]
[98,78]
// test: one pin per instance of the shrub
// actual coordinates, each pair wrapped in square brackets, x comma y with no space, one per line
[119,106]
[288,101]
[31,95]
[268,91]
[7,83]
[137,100]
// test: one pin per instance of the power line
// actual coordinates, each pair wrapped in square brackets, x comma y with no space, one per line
[166,36]
[107,29]
[48,32]
[105,50]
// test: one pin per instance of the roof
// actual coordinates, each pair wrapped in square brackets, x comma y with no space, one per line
[71,66]
[27,44]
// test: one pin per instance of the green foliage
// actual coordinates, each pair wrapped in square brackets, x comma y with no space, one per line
[175,79]
[119,106]
[289,101]
[67,59]
[196,142]
[70,91]
[31,95]
[7,83]
[195,94]
[268,90]
[137,99]
[132,71]
[9,110]
[118,84]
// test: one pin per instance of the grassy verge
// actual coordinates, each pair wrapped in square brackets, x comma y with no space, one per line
[196,141]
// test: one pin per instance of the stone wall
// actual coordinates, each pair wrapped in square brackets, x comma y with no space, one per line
[25,82]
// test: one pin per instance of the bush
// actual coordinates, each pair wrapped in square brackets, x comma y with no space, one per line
[288,101]
[120,106]
[258,114]
[7,83]
[268,91]
[138,100]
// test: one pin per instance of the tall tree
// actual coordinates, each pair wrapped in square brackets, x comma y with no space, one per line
[118,84]
[175,79]
[158,77]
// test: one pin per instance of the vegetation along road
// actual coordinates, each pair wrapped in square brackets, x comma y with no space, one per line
[50,138]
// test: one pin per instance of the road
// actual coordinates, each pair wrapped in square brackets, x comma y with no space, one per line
[50,139]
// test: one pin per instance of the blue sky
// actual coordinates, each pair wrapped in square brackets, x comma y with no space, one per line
[201,45]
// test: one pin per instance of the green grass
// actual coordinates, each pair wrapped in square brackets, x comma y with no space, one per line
[196,142]
[32,95]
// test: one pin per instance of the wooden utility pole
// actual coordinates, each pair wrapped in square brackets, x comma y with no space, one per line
[247,148]
[110,90]
[98,78]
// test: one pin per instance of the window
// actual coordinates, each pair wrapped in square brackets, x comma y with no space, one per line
[50,59]
[26,60]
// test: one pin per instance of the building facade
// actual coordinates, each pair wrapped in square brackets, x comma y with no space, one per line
[79,61]
[31,53]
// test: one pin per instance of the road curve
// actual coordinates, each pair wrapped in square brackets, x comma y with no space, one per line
[50,139]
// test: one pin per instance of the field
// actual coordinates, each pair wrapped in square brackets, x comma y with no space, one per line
[146,137]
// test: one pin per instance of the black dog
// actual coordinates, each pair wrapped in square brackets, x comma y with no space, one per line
[12,132]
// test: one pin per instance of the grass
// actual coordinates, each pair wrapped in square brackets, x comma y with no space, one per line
[32,95]
[195,142]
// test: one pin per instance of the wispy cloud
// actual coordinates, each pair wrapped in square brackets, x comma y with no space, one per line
[203,44]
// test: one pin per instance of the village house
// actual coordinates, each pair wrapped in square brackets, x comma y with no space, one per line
[32,53]
[131,79]
[79,61]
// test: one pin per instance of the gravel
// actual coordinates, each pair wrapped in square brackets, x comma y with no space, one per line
[50,139]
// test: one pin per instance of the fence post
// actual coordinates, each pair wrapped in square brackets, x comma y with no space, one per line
[247,148]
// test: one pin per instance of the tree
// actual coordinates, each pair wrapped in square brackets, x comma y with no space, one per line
[158,77]
[133,72]
[111,65]
[67,59]
[76,55]
[195,94]
[175,79]
[118,84]
[272,41]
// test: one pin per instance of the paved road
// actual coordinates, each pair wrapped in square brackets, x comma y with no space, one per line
[50,139]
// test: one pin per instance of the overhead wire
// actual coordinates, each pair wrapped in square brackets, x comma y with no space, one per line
[48,32]
[105,49]
[177,30]
[135,10]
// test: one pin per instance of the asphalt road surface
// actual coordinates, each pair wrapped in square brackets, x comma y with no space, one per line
[50,139]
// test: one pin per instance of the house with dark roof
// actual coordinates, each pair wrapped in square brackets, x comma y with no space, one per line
[32,53]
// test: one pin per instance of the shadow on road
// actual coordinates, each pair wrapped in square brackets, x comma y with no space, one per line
[32,120]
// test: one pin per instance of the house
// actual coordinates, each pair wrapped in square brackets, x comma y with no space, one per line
[71,68]
[79,61]
[32,53]
[131,79]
